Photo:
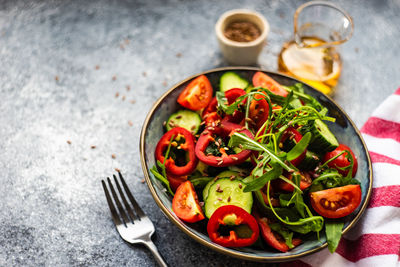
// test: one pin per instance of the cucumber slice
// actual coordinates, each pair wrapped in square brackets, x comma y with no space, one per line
[227,192]
[309,162]
[231,80]
[323,139]
[184,118]
[224,174]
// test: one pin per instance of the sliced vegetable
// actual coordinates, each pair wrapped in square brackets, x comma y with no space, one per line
[323,140]
[261,79]
[227,192]
[259,110]
[231,95]
[176,181]
[272,238]
[185,203]
[225,174]
[232,226]
[186,119]
[210,150]
[182,146]
[343,162]
[197,94]
[336,202]
[231,80]
[305,182]
[309,162]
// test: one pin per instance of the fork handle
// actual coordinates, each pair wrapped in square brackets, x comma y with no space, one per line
[156,254]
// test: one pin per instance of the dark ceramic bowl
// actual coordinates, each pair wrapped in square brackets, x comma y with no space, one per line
[344,129]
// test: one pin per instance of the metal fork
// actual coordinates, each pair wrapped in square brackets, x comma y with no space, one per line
[132,223]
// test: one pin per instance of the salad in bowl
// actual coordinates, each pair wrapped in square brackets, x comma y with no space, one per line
[253,164]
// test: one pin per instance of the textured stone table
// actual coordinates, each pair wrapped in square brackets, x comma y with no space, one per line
[76,81]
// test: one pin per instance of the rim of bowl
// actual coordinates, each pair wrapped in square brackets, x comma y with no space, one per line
[227,251]
[246,12]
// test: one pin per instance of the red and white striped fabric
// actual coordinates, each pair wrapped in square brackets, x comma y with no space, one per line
[375,240]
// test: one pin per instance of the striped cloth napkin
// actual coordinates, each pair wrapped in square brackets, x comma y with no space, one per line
[375,240]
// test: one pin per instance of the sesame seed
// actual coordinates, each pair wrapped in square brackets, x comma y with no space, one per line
[229,199]
[234,158]
[240,186]
[220,162]
[220,199]
[178,117]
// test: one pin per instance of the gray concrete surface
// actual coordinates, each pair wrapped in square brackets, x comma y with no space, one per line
[65,67]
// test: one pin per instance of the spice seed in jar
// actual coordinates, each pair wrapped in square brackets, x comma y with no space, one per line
[113,156]
[130,123]
[92,147]
[242,31]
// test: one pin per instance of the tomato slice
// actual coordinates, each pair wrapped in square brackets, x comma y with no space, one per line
[263,80]
[341,162]
[336,202]
[305,182]
[273,239]
[259,110]
[175,181]
[185,203]
[197,94]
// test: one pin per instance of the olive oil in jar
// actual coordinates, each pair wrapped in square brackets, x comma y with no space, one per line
[313,63]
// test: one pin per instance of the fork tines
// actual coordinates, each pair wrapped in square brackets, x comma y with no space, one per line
[124,215]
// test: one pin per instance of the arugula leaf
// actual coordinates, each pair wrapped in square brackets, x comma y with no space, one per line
[299,148]
[333,230]
[259,183]
[162,179]
[248,143]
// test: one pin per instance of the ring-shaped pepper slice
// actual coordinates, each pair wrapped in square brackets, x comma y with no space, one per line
[224,130]
[230,215]
[173,136]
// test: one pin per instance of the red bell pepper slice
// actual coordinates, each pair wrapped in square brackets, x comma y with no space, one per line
[224,130]
[174,136]
[231,95]
[292,133]
[230,215]
[271,238]
[210,114]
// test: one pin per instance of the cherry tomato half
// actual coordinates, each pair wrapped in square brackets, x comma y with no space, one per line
[197,94]
[259,110]
[263,80]
[305,182]
[185,203]
[336,202]
[341,162]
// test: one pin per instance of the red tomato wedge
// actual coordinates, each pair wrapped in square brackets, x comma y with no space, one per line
[305,182]
[197,94]
[341,162]
[263,80]
[336,202]
[185,203]
[259,110]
